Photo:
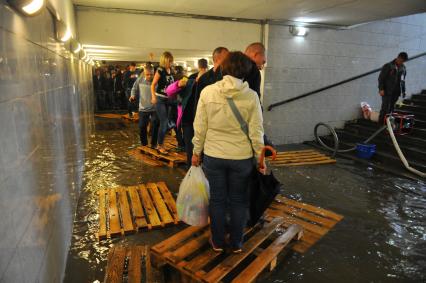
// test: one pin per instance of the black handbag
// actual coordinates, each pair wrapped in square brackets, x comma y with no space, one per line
[263,188]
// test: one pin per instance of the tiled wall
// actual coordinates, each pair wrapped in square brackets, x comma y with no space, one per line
[298,65]
[45,118]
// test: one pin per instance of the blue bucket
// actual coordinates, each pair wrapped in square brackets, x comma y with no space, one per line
[365,150]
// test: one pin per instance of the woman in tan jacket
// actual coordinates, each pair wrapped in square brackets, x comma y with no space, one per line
[228,151]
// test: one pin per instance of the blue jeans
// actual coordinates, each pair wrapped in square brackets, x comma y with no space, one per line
[229,184]
[144,119]
[161,109]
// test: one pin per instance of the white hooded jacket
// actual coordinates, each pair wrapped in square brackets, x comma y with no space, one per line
[217,131]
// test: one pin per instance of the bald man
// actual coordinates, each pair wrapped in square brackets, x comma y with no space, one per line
[256,52]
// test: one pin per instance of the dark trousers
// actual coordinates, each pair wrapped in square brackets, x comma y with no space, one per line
[188,134]
[144,119]
[100,99]
[161,109]
[388,105]
[229,181]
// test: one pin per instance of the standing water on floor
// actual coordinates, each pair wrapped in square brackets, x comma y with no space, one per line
[381,239]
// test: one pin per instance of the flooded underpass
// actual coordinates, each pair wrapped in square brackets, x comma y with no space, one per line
[382,237]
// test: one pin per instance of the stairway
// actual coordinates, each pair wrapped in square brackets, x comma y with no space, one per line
[413,145]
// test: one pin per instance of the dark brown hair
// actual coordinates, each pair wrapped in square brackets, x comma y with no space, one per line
[236,64]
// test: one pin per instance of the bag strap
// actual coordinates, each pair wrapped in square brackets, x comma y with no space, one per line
[241,121]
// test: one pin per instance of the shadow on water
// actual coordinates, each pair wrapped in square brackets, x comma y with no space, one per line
[381,239]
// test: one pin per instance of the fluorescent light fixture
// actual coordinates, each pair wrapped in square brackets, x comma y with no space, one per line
[63,33]
[33,7]
[298,31]
[77,48]
[27,7]
[84,54]
[66,36]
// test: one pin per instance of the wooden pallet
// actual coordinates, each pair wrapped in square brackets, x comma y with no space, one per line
[134,119]
[301,157]
[171,158]
[125,210]
[138,155]
[131,265]
[108,115]
[189,253]
[315,221]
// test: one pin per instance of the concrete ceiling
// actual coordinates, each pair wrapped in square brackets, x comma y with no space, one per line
[334,12]
[339,13]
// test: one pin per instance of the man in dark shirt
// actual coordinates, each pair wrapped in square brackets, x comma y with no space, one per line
[202,68]
[99,85]
[256,52]
[214,74]
[129,79]
[392,84]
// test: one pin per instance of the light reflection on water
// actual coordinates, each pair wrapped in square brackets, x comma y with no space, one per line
[381,239]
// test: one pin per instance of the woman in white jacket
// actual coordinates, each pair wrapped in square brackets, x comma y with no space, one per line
[228,151]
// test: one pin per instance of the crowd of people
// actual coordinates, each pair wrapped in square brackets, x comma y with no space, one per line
[216,116]
[196,108]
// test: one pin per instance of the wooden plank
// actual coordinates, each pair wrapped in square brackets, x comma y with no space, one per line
[164,213]
[169,200]
[223,268]
[299,157]
[169,157]
[152,215]
[102,214]
[320,211]
[189,247]
[138,155]
[134,274]
[304,215]
[268,256]
[126,217]
[149,271]
[293,220]
[137,208]
[296,151]
[300,160]
[331,161]
[114,220]
[115,267]
[176,239]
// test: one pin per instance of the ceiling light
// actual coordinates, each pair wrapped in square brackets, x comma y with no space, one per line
[27,7]
[298,31]
[75,46]
[63,33]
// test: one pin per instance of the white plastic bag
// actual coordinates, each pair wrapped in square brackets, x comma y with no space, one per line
[193,199]
[366,110]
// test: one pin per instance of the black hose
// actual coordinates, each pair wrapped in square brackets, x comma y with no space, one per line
[336,149]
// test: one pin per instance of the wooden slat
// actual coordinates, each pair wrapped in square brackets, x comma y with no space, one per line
[137,209]
[134,270]
[290,157]
[331,161]
[304,215]
[251,272]
[169,157]
[126,217]
[159,203]
[300,160]
[114,220]
[176,239]
[115,266]
[223,268]
[189,247]
[169,200]
[320,211]
[293,220]
[152,215]
[102,214]
[149,271]
[296,151]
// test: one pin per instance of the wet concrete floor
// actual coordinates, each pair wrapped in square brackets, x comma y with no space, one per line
[381,239]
